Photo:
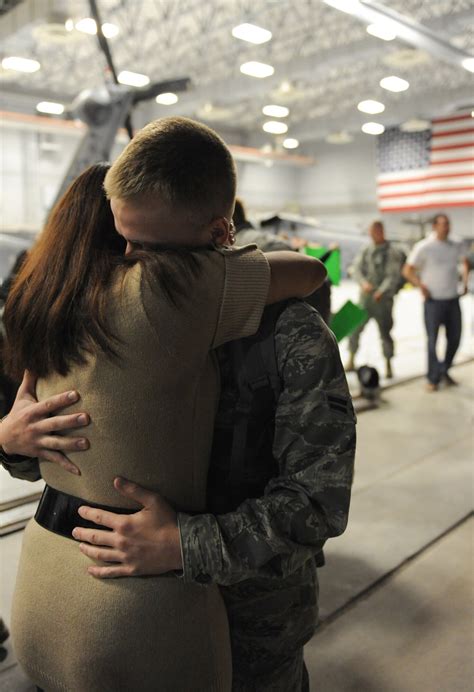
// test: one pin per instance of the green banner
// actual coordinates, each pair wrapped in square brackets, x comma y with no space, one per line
[332,264]
[347,319]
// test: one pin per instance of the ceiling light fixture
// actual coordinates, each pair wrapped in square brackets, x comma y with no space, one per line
[251,33]
[50,107]
[291,143]
[384,30]
[257,69]
[110,30]
[468,64]
[394,83]
[133,78]
[373,128]
[69,24]
[87,26]
[167,98]
[275,127]
[20,64]
[275,111]
[371,107]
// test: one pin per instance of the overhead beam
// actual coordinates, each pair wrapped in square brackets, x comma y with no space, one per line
[407,29]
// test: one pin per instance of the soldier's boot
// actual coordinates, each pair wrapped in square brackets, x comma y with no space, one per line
[350,365]
[388,369]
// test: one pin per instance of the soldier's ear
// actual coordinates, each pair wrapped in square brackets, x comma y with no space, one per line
[220,231]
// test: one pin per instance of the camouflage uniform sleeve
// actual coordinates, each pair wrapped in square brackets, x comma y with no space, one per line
[308,502]
[21,467]
[393,269]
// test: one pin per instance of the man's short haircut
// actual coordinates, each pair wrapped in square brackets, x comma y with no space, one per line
[179,162]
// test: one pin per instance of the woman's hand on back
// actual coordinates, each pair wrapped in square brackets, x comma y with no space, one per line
[29,429]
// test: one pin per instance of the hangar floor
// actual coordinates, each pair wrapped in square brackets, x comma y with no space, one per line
[396,593]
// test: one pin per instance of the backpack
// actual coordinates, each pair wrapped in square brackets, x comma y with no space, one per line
[241,458]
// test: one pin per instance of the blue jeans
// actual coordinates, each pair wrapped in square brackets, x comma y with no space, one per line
[437,313]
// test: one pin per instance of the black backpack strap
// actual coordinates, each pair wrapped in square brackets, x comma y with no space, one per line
[256,374]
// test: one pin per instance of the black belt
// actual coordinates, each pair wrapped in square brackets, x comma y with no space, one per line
[57,512]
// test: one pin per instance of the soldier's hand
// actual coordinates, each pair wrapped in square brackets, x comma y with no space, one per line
[144,543]
[367,287]
[29,428]
[378,296]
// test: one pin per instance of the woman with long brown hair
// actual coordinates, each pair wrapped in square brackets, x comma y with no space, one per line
[133,334]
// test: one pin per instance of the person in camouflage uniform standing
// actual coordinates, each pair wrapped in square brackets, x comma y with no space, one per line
[377,269]
[269,517]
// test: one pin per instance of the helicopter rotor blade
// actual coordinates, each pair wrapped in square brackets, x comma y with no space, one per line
[104,46]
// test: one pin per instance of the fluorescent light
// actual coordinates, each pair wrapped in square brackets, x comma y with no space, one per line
[133,78]
[110,30]
[50,107]
[275,127]
[468,64]
[384,30]
[87,26]
[69,24]
[373,128]
[275,111]
[20,64]
[257,69]
[344,5]
[290,143]
[251,33]
[167,98]
[394,83]
[371,106]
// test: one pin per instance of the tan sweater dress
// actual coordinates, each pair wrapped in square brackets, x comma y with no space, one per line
[152,422]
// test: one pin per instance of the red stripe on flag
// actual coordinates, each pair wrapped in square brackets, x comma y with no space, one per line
[431,205]
[448,133]
[401,181]
[452,146]
[452,119]
[427,192]
[439,163]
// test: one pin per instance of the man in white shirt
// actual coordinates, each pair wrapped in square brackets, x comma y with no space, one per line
[433,266]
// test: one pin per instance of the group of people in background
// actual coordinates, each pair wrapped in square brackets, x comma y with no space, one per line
[435,265]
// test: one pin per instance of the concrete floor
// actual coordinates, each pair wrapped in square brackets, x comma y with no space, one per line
[396,593]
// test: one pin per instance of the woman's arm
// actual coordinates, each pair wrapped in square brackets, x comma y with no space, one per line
[293,275]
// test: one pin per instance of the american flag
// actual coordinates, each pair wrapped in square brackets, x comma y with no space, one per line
[428,169]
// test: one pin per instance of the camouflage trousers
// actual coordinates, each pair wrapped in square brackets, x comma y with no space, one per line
[280,675]
[382,313]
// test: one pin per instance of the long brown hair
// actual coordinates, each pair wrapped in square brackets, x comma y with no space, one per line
[56,310]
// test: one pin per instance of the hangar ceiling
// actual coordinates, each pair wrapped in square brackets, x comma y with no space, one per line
[324,60]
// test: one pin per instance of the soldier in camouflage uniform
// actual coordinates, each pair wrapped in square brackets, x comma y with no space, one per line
[269,518]
[377,269]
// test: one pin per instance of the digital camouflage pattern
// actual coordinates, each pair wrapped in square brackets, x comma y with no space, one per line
[262,552]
